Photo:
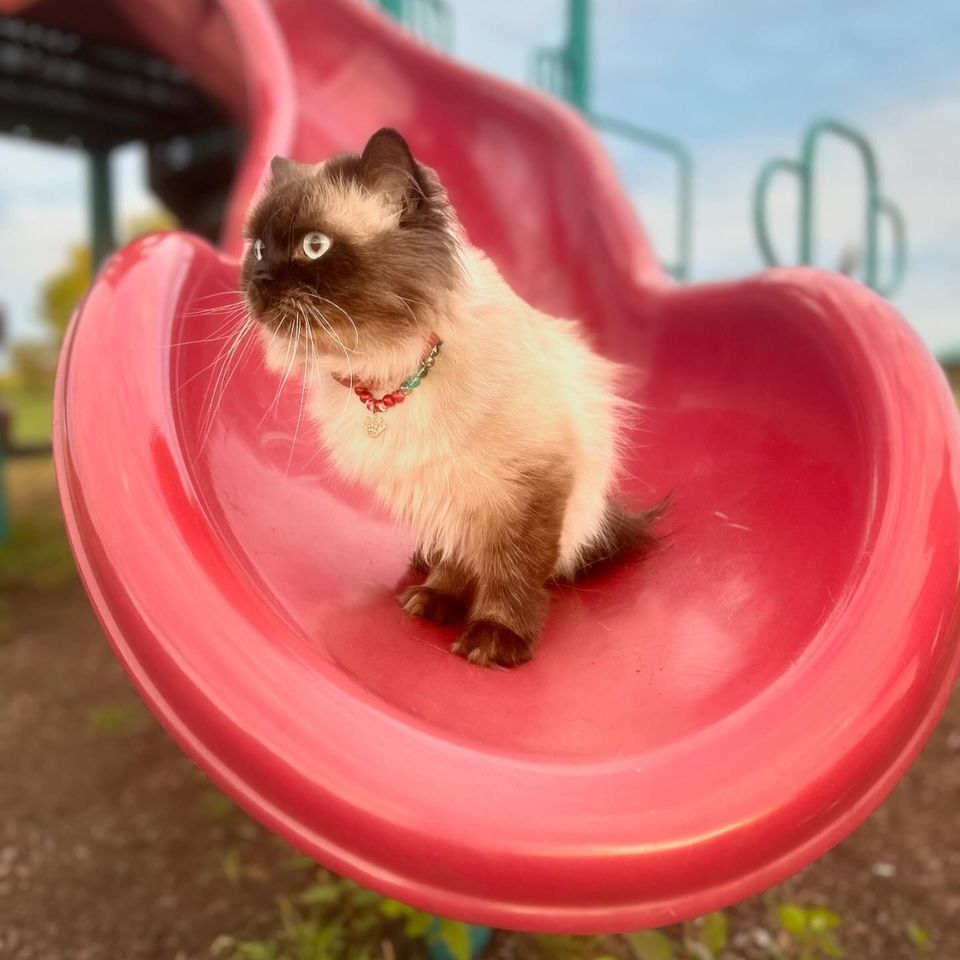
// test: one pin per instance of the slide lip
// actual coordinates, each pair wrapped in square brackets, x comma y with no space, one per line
[401,859]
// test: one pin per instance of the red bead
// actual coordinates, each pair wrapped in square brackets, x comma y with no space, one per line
[371,405]
[398,397]
[388,401]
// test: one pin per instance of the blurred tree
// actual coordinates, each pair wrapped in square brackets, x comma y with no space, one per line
[149,221]
[33,362]
[62,291]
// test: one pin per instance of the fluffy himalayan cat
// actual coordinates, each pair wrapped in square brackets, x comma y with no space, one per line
[487,427]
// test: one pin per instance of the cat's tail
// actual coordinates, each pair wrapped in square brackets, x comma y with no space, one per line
[623,533]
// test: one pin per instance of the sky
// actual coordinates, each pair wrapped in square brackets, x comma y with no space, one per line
[737,81]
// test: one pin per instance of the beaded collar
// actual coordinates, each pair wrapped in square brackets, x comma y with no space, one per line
[375,423]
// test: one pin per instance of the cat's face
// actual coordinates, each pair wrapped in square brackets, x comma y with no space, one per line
[357,253]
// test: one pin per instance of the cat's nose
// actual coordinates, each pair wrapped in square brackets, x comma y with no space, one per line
[262,276]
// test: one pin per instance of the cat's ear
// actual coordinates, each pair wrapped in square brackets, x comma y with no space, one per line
[281,169]
[388,167]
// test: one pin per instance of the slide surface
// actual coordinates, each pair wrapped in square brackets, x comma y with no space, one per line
[694,728]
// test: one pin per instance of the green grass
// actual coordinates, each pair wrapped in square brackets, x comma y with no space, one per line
[31,412]
[36,554]
[119,719]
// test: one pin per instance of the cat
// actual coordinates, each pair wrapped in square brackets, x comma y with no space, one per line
[487,427]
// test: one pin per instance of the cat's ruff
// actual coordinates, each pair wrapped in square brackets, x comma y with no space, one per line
[692,730]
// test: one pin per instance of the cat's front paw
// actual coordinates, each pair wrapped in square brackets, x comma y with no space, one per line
[425,603]
[490,644]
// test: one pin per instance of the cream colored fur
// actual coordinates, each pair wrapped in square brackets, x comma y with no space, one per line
[511,388]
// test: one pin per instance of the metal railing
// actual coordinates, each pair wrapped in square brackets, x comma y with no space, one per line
[564,72]
[878,209]
[679,268]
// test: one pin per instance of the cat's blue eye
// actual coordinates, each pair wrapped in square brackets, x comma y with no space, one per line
[259,248]
[316,244]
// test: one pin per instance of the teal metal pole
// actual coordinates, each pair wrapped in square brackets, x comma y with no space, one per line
[878,209]
[578,52]
[807,200]
[393,7]
[102,236]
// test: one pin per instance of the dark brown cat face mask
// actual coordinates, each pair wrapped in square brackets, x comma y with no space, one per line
[358,251]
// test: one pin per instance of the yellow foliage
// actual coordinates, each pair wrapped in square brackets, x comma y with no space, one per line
[61,293]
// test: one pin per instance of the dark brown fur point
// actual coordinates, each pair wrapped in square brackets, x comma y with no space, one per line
[504,598]
[389,283]
[501,593]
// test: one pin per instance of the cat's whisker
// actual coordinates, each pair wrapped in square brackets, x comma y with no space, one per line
[230,314]
[406,305]
[289,363]
[276,397]
[303,389]
[188,343]
[327,326]
[229,367]
[228,292]
[222,331]
[221,354]
[336,306]
[214,307]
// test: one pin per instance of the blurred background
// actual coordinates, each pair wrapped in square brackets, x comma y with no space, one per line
[747,133]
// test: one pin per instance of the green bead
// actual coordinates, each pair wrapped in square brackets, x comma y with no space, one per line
[413,382]
[423,371]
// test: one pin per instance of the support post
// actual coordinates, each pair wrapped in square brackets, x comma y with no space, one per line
[102,237]
[578,52]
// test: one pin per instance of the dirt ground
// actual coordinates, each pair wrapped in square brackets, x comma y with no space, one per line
[114,847]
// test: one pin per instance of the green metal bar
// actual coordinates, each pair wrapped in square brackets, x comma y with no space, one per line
[551,72]
[898,228]
[432,20]
[578,52]
[807,207]
[393,7]
[877,207]
[680,269]
[565,71]
[102,236]
[760,191]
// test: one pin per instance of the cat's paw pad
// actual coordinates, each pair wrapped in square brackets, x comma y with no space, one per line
[490,644]
[425,603]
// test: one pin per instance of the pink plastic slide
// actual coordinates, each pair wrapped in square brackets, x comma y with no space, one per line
[694,728]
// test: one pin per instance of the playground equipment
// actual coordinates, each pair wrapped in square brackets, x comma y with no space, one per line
[430,19]
[878,209]
[694,728]
[565,71]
